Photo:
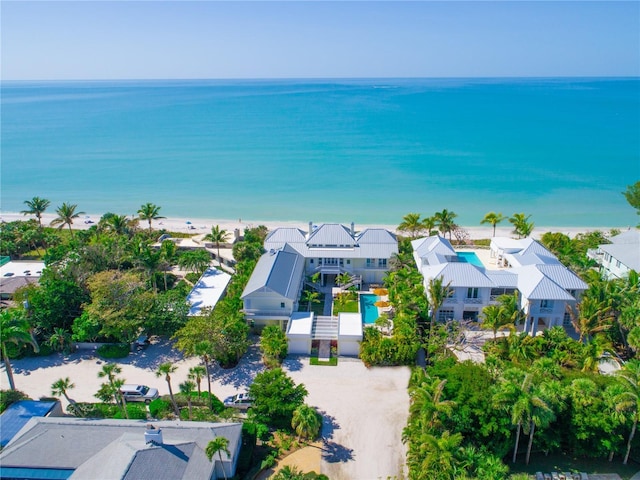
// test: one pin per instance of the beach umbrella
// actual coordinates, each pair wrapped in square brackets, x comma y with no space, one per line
[188,222]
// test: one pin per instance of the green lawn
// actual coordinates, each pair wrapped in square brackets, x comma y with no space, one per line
[332,362]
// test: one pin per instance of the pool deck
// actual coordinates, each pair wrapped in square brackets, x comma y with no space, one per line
[484,255]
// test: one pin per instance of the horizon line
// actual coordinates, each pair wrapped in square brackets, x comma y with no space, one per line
[177,79]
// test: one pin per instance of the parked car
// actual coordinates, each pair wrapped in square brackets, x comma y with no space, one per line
[240,400]
[138,393]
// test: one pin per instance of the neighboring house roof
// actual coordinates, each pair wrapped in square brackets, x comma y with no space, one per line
[278,271]
[630,236]
[333,240]
[207,291]
[9,286]
[458,275]
[534,285]
[16,416]
[626,253]
[117,448]
[536,272]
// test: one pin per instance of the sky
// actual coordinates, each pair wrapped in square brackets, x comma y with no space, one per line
[52,40]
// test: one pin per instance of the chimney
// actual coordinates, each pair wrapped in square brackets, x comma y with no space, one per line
[310,228]
[353,229]
[153,435]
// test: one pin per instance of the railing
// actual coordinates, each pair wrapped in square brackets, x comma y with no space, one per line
[450,300]
[257,312]
[473,300]
[593,254]
[545,310]
[494,298]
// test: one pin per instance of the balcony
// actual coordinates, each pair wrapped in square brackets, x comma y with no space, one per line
[473,301]
[450,300]
[259,313]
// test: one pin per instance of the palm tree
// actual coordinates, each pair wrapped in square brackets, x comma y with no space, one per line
[426,401]
[37,207]
[435,457]
[149,212]
[493,219]
[629,400]
[310,296]
[203,349]
[195,260]
[66,213]
[59,339]
[521,224]
[186,388]
[197,373]
[590,316]
[118,224]
[438,292]
[149,260]
[217,235]
[14,328]
[444,221]
[411,224]
[110,370]
[61,387]
[306,421]
[167,369]
[219,445]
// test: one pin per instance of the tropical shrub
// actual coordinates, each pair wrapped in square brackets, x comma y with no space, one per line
[7,397]
[275,398]
[120,350]
[274,345]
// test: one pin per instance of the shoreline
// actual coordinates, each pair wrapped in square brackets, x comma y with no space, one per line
[203,225]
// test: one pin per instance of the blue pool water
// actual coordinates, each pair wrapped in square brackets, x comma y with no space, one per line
[368,309]
[470,257]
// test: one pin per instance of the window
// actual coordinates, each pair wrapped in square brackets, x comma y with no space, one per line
[472,292]
[348,261]
[444,315]
[546,303]
[369,262]
[281,304]
[382,262]
[311,260]
[618,263]
[566,321]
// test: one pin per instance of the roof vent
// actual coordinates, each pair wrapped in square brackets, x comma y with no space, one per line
[272,251]
[153,435]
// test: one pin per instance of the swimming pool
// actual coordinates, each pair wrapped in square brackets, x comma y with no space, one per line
[470,257]
[367,308]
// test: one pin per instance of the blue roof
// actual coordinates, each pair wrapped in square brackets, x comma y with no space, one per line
[18,414]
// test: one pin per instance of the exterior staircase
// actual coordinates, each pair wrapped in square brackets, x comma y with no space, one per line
[325,328]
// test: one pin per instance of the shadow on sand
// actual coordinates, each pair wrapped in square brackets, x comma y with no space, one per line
[333,452]
[242,375]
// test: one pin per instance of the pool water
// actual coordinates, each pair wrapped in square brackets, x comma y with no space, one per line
[367,308]
[470,257]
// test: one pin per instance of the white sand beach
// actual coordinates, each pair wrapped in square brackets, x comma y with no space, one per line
[203,225]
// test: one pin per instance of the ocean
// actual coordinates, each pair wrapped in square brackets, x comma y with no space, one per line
[363,150]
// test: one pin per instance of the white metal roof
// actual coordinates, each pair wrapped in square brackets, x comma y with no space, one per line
[331,234]
[208,290]
[534,285]
[300,323]
[630,236]
[626,253]
[349,325]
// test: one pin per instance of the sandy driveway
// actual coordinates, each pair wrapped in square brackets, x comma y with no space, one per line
[364,409]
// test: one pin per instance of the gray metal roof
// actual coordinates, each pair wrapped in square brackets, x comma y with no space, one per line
[458,274]
[534,285]
[563,277]
[280,236]
[169,461]
[371,243]
[434,244]
[626,253]
[630,236]
[95,447]
[331,234]
[502,278]
[278,271]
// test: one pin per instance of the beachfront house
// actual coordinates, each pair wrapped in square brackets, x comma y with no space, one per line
[546,288]
[81,448]
[618,258]
[292,257]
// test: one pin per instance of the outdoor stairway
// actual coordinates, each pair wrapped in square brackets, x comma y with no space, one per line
[355,280]
[325,328]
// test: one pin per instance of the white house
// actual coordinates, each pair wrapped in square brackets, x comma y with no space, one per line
[273,291]
[332,249]
[545,286]
[619,257]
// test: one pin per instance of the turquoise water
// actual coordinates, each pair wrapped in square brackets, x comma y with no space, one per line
[367,308]
[367,151]
[470,257]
